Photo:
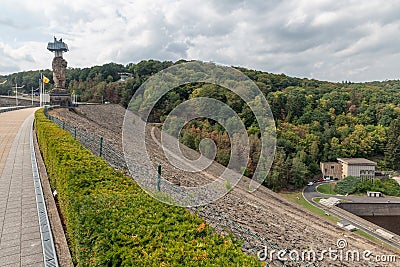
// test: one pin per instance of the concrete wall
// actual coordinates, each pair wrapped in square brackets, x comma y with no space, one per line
[358,170]
[331,169]
[372,209]
[10,101]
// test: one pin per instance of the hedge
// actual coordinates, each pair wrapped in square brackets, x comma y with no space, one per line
[111,221]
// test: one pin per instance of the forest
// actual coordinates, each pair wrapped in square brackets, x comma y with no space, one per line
[315,120]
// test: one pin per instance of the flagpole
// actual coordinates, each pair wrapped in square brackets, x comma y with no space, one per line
[40,90]
[41,82]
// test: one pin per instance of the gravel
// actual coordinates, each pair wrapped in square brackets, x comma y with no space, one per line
[261,218]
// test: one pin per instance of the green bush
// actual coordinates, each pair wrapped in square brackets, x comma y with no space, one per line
[388,187]
[350,185]
[347,186]
[110,221]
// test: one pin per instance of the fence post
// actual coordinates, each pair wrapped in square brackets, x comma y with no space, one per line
[158,176]
[74,132]
[63,124]
[101,146]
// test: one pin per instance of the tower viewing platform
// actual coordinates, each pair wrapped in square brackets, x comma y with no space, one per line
[59,94]
[58,47]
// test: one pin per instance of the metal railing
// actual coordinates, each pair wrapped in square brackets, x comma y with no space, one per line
[7,109]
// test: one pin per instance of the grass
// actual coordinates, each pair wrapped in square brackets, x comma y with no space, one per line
[317,199]
[297,197]
[328,189]
[368,236]
[376,240]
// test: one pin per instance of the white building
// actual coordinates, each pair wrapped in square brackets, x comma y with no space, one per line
[124,76]
[357,167]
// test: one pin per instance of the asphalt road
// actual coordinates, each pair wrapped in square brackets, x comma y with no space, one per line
[310,192]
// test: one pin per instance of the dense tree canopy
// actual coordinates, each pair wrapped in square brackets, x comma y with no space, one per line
[316,120]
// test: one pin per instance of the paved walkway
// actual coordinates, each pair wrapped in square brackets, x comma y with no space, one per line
[20,242]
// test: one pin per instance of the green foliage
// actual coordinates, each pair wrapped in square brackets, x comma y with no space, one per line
[320,121]
[347,186]
[350,185]
[389,187]
[392,152]
[110,221]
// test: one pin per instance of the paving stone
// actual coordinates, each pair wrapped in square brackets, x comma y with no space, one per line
[10,259]
[32,259]
[10,251]
[31,243]
[20,243]
[10,236]
[30,236]
[27,251]
[9,243]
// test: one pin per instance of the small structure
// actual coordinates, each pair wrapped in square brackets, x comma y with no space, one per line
[384,233]
[357,167]
[331,170]
[346,225]
[374,194]
[124,76]
[329,202]
[59,94]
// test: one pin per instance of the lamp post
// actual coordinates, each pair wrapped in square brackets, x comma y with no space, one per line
[16,92]
[32,93]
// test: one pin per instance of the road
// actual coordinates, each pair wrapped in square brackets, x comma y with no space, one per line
[310,192]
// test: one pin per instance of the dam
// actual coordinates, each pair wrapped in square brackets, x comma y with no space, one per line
[386,215]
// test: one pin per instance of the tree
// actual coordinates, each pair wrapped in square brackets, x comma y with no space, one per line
[298,171]
[392,152]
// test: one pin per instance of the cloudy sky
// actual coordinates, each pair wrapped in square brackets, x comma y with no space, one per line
[322,39]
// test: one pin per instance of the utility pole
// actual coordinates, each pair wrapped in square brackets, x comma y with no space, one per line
[32,93]
[16,92]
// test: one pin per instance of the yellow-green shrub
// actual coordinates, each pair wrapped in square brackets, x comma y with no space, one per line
[110,221]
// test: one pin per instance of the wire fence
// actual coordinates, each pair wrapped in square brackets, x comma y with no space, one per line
[253,242]
[94,143]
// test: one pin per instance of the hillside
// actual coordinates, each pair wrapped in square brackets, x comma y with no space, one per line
[262,218]
[316,120]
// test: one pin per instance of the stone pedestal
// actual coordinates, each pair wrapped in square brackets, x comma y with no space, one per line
[60,98]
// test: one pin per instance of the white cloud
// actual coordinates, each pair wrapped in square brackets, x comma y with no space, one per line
[326,39]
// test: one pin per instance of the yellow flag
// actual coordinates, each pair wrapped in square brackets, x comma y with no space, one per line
[45,79]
